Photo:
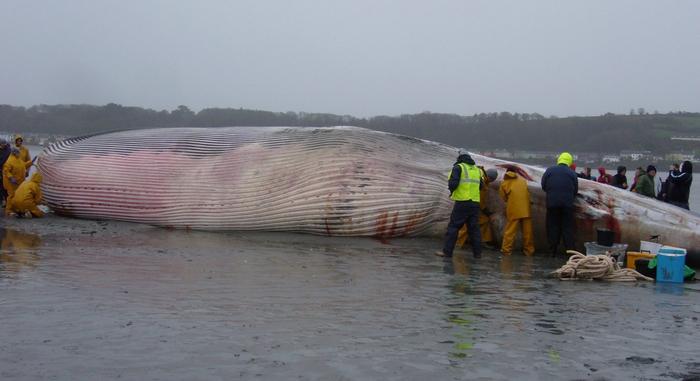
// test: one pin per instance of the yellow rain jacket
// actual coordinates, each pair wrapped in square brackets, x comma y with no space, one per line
[23,151]
[27,197]
[514,192]
[16,169]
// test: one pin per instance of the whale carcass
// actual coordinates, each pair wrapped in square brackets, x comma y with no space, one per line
[341,181]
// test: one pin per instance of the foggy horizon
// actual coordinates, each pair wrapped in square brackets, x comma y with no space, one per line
[355,58]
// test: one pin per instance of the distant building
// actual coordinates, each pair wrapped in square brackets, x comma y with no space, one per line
[634,155]
[588,157]
[611,159]
[679,156]
[538,155]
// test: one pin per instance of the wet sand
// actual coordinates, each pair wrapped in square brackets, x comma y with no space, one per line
[108,300]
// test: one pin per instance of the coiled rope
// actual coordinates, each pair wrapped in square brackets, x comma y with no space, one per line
[602,267]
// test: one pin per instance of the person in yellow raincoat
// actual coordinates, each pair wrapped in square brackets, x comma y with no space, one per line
[487,176]
[514,192]
[23,151]
[14,171]
[27,198]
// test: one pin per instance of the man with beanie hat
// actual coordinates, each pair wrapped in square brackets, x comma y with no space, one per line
[560,184]
[645,183]
[464,184]
[620,179]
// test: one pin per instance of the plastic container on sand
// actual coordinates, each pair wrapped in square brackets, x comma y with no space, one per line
[632,257]
[670,262]
[649,247]
[592,248]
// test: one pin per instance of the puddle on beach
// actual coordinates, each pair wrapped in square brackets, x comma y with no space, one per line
[97,300]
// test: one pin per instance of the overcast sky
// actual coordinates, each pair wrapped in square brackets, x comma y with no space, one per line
[355,57]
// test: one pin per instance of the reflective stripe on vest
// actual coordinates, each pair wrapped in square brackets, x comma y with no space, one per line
[469,180]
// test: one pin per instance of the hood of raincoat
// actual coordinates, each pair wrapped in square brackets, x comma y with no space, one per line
[510,175]
[36,177]
[687,167]
[465,158]
[565,158]
[514,192]
[602,171]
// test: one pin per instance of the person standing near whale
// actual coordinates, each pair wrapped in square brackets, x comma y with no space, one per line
[464,184]
[560,184]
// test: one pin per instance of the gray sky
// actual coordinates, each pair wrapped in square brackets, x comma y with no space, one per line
[360,57]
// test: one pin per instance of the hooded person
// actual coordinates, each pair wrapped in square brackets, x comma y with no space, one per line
[679,185]
[464,184]
[637,172]
[487,177]
[14,171]
[620,179]
[27,198]
[560,185]
[603,177]
[514,192]
[645,183]
[23,151]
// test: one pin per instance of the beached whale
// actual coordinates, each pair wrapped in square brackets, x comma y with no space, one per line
[341,181]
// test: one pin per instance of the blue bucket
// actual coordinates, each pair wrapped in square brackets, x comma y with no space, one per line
[670,264]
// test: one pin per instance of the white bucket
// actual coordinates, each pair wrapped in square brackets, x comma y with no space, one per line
[650,247]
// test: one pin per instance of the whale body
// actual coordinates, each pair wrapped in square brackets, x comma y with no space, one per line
[339,181]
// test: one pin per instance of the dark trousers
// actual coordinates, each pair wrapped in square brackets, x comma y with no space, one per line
[463,212]
[683,205]
[560,223]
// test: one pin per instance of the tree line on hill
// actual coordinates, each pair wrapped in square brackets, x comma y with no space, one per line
[511,131]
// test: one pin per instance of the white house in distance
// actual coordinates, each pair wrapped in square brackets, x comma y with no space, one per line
[677,156]
[634,155]
[611,158]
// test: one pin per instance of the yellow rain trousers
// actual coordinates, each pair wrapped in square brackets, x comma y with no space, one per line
[511,230]
[26,198]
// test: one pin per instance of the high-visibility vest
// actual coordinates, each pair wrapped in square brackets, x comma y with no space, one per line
[469,180]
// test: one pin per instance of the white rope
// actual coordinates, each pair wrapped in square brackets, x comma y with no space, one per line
[603,267]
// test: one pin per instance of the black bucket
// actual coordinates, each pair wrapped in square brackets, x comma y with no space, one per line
[606,237]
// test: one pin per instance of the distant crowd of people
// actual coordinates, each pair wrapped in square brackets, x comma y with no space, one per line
[674,189]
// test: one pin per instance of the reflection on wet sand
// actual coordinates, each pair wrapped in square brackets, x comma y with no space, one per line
[18,250]
[123,301]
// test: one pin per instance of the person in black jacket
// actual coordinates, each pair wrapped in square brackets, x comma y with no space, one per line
[464,183]
[4,154]
[620,179]
[560,184]
[679,185]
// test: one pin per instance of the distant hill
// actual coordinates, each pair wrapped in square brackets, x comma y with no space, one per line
[606,133]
